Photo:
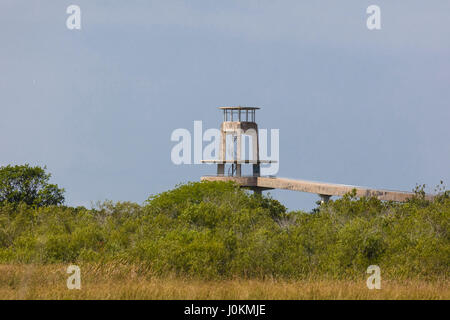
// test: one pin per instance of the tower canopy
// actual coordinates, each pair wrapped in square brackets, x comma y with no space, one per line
[239,114]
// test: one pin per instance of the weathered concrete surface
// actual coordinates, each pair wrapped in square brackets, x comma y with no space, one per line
[242,181]
[239,161]
[320,188]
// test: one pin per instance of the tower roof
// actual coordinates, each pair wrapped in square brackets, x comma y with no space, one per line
[239,108]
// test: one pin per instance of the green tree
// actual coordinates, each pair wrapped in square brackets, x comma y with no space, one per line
[25,184]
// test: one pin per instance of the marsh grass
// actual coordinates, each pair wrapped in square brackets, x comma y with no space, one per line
[121,281]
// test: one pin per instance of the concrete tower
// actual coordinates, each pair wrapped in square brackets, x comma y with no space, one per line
[238,123]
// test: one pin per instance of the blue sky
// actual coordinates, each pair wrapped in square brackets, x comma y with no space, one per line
[98,105]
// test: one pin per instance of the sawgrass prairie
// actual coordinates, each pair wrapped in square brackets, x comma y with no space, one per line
[134,282]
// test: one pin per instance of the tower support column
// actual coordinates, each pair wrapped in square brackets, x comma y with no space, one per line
[324,198]
[256,170]
[221,169]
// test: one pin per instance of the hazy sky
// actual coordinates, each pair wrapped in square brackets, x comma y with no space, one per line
[98,105]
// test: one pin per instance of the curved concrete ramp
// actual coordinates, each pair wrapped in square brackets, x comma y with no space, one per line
[320,188]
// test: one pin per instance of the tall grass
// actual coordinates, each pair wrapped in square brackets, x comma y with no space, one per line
[118,281]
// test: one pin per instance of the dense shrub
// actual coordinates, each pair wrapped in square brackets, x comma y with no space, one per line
[217,230]
[30,185]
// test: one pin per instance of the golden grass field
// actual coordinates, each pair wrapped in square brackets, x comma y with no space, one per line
[135,282]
